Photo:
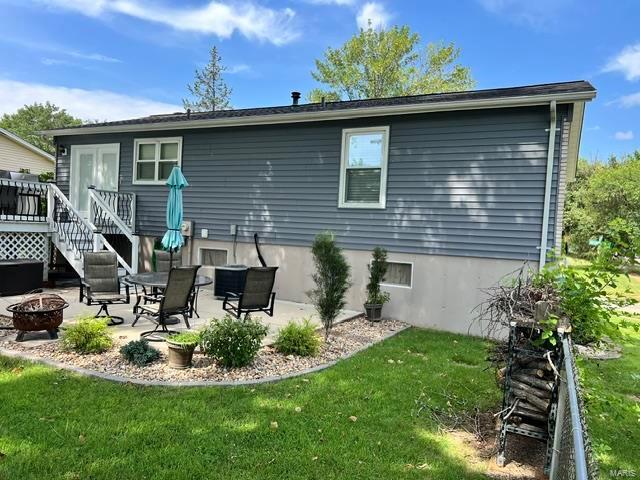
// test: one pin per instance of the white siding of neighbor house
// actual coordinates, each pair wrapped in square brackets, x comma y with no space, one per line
[14,157]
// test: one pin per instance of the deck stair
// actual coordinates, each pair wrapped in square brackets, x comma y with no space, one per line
[43,208]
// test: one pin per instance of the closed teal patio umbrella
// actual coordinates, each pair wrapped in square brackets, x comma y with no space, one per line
[172,240]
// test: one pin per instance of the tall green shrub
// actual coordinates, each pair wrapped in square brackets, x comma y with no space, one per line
[233,342]
[377,271]
[88,335]
[331,278]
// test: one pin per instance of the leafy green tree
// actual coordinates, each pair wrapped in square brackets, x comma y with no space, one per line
[385,63]
[604,203]
[209,90]
[331,279]
[29,120]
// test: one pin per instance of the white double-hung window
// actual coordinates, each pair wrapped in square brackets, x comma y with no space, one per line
[363,167]
[154,158]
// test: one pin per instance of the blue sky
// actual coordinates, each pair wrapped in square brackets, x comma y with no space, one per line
[110,59]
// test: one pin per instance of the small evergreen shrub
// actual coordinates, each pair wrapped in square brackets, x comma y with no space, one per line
[331,279]
[298,339]
[88,335]
[231,342]
[139,352]
[377,271]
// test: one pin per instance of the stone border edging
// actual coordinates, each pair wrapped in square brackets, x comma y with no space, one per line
[202,383]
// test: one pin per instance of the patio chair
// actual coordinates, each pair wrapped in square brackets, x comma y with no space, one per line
[257,294]
[163,258]
[175,300]
[101,284]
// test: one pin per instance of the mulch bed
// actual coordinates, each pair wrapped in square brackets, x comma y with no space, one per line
[346,338]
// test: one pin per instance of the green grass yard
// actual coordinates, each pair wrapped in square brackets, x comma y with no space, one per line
[57,425]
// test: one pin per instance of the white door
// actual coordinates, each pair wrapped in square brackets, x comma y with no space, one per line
[96,165]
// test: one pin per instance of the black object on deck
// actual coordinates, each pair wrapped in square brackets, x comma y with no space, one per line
[20,276]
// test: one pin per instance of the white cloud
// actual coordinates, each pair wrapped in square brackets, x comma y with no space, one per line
[60,50]
[626,135]
[372,12]
[240,68]
[595,128]
[627,101]
[340,3]
[86,104]
[214,18]
[626,62]
[536,13]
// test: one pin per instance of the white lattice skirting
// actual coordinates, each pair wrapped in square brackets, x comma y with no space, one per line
[33,245]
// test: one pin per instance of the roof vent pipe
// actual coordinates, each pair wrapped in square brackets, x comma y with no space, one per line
[295,97]
[323,102]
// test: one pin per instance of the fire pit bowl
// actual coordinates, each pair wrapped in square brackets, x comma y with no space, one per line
[36,313]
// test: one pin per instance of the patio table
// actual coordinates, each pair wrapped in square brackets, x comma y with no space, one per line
[158,281]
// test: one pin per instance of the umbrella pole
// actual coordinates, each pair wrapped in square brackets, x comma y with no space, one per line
[170,259]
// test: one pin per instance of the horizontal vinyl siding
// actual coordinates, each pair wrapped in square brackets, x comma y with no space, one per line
[14,157]
[465,183]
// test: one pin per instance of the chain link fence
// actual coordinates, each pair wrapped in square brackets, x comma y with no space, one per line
[572,457]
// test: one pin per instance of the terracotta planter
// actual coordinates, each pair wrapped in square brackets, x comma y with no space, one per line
[180,354]
[373,311]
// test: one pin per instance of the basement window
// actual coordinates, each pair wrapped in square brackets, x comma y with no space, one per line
[154,158]
[399,274]
[213,257]
[363,167]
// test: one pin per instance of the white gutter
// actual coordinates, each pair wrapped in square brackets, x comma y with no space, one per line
[547,187]
[323,115]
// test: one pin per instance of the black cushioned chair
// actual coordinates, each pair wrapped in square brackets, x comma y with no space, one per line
[101,284]
[257,294]
[175,300]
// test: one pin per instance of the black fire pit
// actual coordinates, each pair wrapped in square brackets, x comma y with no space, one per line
[37,313]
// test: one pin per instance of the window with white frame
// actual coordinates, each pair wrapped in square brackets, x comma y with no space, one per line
[209,258]
[154,158]
[399,274]
[363,167]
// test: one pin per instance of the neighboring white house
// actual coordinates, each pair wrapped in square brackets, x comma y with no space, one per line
[17,154]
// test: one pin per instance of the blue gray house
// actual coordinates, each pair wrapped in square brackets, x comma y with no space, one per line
[461,188]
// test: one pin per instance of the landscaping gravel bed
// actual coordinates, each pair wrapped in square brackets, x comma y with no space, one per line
[345,339]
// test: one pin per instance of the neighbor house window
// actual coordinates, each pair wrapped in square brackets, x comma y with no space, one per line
[154,158]
[363,167]
[399,274]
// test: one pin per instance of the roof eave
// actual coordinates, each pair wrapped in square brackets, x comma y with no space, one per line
[326,115]
[21,141]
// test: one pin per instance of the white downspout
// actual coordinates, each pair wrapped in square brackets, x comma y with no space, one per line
[547,186]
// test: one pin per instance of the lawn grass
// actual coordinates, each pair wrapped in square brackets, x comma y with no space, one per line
[612,397]
[57,425]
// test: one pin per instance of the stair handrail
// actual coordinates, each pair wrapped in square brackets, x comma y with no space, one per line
[95,238]
[95,196]
[129,204]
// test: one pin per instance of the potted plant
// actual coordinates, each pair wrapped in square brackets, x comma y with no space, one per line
[376,298]
[181,347]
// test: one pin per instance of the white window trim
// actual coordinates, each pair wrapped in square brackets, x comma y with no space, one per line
[395,285]
[344,157]
[156,141]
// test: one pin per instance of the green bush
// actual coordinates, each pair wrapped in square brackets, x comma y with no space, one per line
[298,339]
[88,335]
[232,342]
[139,352]
[185,338]
[331,278]
[377,271]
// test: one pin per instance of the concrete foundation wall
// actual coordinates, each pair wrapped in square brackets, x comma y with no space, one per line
[444,291]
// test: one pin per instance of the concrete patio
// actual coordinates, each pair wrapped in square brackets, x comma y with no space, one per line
[208,307]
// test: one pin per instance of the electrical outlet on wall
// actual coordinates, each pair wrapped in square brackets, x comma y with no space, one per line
[204,233]
[233,229]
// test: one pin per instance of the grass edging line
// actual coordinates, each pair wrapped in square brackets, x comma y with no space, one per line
[200,383]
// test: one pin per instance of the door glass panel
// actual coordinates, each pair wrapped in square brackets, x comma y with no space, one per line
[84,180]
[146,171]
[165,169]
[108,172]
[147,151]
[169,151]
